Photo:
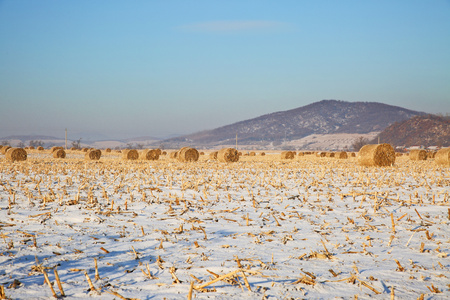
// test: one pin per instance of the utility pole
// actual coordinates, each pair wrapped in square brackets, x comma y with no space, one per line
[236,141]
[66,138]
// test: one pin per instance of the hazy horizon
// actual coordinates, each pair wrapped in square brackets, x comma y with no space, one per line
[128,69]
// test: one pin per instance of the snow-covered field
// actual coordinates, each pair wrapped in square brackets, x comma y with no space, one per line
[311,228]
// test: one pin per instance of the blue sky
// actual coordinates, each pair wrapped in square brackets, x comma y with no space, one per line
[135,68]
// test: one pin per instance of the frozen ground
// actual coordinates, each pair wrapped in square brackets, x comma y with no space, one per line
[304,229]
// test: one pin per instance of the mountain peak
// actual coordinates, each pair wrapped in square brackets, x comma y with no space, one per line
[322,117]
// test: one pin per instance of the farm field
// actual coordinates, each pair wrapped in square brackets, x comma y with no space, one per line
[260,228]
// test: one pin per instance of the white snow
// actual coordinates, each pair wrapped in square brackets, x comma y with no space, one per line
[304,229]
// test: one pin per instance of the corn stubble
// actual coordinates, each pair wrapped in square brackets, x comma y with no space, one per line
[261,200]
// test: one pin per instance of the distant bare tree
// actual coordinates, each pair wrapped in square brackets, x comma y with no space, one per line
[77,144]
[139,146]
[5,143]
[36,143]
[21,144]
[359,143]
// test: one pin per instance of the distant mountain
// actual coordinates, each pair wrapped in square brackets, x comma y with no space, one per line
[24,138]
[323,117]
[424,130]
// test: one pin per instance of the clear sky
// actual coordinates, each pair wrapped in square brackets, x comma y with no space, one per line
[154,68]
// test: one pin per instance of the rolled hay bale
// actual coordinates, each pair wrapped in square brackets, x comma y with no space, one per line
[31,148]
[53,149]
[5,149]
[85,149]
[431,154]
[40,148]
[381,155]
[130,154]
[397,154]
[240,153]
[228,155]
[418,154]
[59,153]
[321,154]
[287,155]
[341,155]
[213,155]
[252,154]
[108,150]
[164,153]
[262,154]
[301,154]
[150,154]
[173,154]
[187,154]
[353,154]
[159,151]
[442,157]
[73,148]
[16,154]
[93,154]
[201,153]
[330,154]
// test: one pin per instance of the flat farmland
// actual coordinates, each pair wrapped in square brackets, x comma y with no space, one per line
[259,228]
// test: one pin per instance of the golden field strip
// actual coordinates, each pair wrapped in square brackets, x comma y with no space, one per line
[259,228]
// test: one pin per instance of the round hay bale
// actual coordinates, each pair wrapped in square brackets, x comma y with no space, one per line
[53,149]
[213,155]
[150,154]
[397,154]
[40,148]
[187,154]
[418,154]
[262,154]
[108,150]
[228,155]
[16,154]
[173,154]
[342,155]
[431,154]
[330,154]
[59,153]
[301,154]
[164,153]
[380,155]
[85,149]
[5,149]
[321,154]
[159,151]
[240,153]
[287,155]
[201,153]
[31,148]
[94,154]
[442,157]
[353,154]
[252,154]
[130,154]
[73,148]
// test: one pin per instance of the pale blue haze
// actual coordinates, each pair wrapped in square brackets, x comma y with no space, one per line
[155,68]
